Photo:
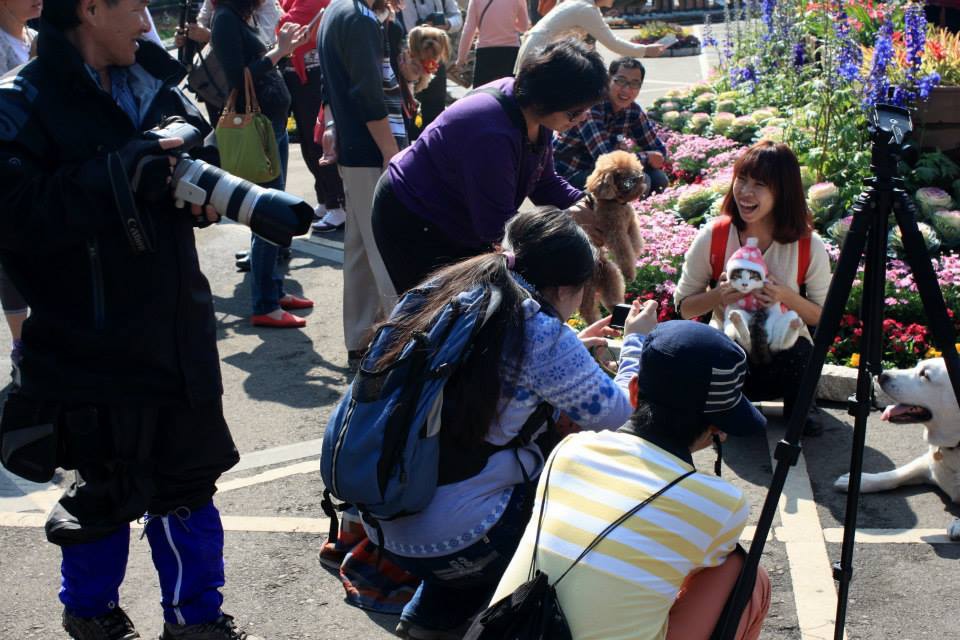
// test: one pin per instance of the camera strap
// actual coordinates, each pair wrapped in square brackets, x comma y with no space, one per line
[126,206]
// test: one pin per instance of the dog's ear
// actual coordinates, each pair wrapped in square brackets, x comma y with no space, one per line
[605,188]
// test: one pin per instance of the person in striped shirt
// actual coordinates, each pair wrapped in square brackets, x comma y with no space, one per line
[667,571]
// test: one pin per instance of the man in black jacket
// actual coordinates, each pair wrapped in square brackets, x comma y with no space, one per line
[120,353]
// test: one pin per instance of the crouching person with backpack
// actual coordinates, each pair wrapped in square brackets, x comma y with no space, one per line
[451,483]
[628,541]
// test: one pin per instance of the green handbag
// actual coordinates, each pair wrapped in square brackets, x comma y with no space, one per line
[248,147]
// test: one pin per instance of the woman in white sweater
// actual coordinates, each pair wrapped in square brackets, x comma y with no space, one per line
[580,17]
[765,202]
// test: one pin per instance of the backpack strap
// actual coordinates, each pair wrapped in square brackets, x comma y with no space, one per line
[509,106]
[718,247]
[803,263]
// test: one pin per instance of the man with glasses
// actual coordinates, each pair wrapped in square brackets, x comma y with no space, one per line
[616,123]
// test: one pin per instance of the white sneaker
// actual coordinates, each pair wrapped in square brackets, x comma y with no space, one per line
[319,212]
[333,221]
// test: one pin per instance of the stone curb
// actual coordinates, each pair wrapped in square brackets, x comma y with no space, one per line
[836,383]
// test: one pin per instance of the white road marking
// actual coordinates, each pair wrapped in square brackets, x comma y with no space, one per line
[276,455]
[267,476]
[892,536]
[230,523]
[810,568]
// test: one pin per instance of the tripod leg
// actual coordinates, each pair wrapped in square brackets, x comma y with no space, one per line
[788,450]
[871,313]
[915,252]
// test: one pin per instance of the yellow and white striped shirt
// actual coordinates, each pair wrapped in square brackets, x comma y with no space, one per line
[624,588]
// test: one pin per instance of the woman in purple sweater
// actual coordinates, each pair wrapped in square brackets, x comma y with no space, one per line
[450,194]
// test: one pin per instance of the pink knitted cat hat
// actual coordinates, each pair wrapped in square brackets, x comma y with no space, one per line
[748,257]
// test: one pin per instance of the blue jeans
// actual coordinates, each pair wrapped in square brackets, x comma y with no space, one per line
[266,283]
[456,586]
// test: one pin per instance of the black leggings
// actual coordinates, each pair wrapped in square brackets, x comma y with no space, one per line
[410,246]
[780,378]
[494,63]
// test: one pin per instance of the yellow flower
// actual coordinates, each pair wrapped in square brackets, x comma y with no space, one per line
[932,353]
[418,121]
[855,360]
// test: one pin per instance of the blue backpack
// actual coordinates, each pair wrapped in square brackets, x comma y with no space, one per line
[381,448]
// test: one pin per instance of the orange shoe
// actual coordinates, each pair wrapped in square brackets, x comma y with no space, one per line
[291,301]
[286,321]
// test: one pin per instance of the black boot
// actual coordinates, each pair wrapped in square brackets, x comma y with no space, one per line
[223,628]
[114,625]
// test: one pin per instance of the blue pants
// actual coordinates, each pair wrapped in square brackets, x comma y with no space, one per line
[187,551]
[458,585]
[266,283]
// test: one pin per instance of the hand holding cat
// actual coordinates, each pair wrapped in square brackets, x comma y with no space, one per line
[728,294]
[775,293]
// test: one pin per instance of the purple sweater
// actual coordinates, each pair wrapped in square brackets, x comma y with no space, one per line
[471,169]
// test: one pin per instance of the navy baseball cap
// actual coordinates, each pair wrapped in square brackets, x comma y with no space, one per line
[688,367]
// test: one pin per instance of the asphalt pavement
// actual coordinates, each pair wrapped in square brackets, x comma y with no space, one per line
[280,387]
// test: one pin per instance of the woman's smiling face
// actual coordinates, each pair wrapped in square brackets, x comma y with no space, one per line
[755,199]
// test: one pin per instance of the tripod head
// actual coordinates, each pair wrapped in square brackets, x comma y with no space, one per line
[890,128]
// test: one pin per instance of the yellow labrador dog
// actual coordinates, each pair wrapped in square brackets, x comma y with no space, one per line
[923,394]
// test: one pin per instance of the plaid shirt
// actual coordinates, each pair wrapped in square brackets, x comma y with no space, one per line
[602,132]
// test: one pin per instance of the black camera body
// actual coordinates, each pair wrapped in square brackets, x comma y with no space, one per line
[435,19]
[274,215]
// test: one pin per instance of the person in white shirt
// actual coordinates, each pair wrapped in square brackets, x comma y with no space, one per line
[582,17]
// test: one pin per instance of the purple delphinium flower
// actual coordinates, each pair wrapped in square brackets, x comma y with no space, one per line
[877,83]
[927,83]
[799,55]
[708,39]
[914,33]
[767,8]
[849,56]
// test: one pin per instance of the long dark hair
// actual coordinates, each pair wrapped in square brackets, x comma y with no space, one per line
[774,164]
[244,8]
[551,251]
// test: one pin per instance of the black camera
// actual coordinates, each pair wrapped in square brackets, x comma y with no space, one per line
[435,19]
[619,316]
[274,215]
[890,130]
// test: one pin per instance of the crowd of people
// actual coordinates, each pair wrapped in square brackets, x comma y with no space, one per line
[425,193]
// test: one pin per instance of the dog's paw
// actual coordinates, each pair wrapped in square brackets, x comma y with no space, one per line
[842,483]
[953,530]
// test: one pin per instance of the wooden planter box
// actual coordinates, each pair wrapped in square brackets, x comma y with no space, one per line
[937,120]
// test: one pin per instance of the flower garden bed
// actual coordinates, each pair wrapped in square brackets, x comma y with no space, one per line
[807,78]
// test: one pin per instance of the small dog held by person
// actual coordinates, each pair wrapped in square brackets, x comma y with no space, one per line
[616,181]
[427,48]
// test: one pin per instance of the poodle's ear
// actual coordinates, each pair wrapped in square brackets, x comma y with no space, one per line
[602,187]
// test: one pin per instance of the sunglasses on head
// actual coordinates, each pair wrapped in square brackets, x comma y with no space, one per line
[620,81]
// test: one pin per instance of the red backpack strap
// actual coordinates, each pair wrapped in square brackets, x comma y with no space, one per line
[803,260]
[718,246]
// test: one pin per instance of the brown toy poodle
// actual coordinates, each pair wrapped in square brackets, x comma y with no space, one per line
[616,181]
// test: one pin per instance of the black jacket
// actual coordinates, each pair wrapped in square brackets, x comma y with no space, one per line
[351,59]
[107,325]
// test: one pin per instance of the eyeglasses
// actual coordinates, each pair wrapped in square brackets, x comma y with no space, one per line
[620,81]
[575,113]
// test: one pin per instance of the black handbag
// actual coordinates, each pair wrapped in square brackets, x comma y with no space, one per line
[532,611]
[208,80]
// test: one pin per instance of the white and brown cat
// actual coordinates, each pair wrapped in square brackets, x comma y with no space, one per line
[759,329]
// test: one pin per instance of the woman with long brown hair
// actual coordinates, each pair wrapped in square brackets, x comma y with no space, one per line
[765,202]
[524,355]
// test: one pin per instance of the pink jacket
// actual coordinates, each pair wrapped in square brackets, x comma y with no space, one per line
[502,25]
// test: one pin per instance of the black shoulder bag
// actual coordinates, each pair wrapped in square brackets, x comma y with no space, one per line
[532,611]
